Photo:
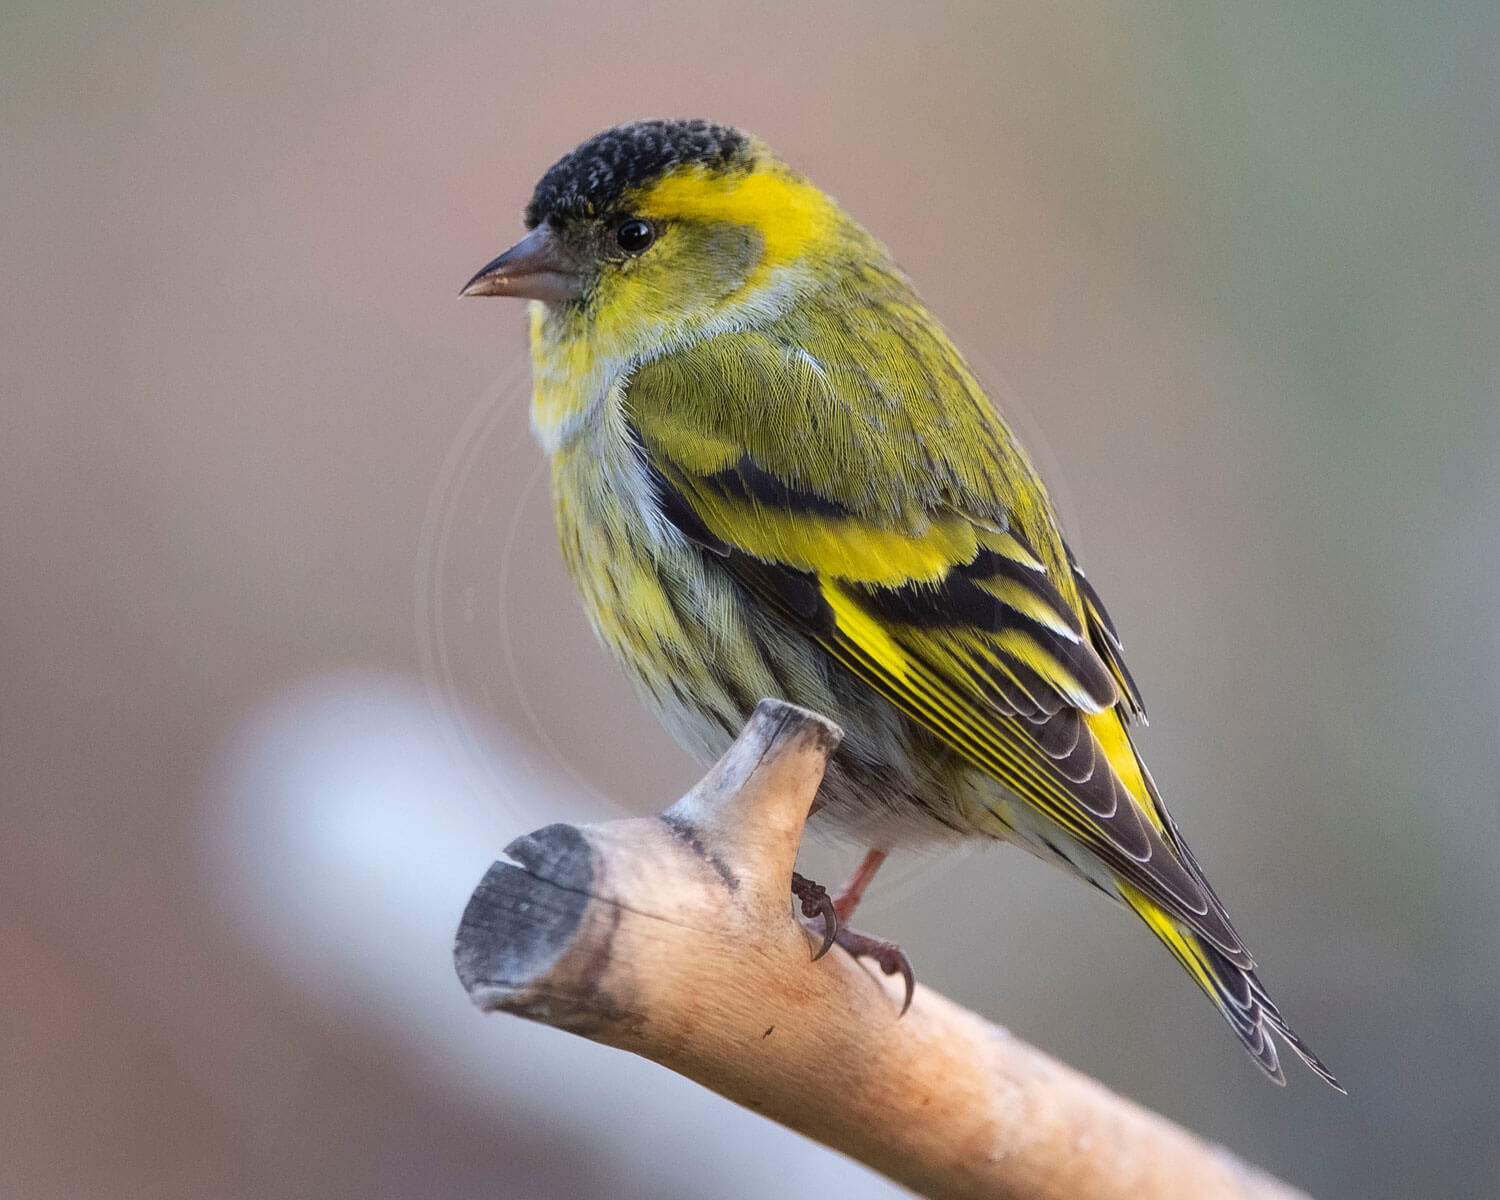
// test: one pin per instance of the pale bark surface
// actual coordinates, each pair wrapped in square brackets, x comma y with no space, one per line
[674,937]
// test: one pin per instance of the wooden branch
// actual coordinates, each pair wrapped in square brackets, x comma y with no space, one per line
[674,937]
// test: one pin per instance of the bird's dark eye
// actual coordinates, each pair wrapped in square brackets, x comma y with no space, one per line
[634,235]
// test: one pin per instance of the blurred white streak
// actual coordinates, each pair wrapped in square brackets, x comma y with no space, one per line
[462,613]
[345,841]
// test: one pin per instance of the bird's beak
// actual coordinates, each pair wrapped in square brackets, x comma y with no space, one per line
[535,268]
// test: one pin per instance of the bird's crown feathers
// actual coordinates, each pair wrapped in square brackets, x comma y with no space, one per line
[594,177]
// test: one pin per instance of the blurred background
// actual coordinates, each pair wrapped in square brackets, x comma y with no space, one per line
[289,655]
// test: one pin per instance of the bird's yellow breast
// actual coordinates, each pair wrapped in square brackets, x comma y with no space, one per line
[571,378]
[652,602]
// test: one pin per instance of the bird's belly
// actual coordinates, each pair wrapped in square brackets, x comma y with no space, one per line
[653,606]
[702,653]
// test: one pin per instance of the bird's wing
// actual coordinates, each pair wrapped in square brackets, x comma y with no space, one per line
[915,573]
[1106,642]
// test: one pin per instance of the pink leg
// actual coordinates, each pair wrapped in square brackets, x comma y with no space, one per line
[847,900]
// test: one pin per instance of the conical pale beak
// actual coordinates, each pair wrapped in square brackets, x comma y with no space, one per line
[535,268]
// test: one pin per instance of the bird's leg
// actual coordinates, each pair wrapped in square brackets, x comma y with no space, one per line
[853,892]
[889,956]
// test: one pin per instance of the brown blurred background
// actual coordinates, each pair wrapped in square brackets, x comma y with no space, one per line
[288,654]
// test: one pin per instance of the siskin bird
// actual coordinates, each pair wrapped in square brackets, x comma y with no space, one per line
[774,475]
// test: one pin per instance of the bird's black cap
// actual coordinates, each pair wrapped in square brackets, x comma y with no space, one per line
[591,179]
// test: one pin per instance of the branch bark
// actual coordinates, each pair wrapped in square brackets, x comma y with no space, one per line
[673,937]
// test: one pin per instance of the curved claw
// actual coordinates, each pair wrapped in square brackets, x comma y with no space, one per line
[903,964]
[816,903]
[887,955]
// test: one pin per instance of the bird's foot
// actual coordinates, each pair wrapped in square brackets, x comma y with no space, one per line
[832,911]
[889,956]
[817,904]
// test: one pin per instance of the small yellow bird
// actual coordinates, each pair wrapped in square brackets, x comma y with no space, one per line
[774,475]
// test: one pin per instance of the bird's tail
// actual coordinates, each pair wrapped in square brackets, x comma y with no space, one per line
[1235,991]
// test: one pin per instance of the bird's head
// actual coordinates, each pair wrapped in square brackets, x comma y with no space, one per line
[653,233]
